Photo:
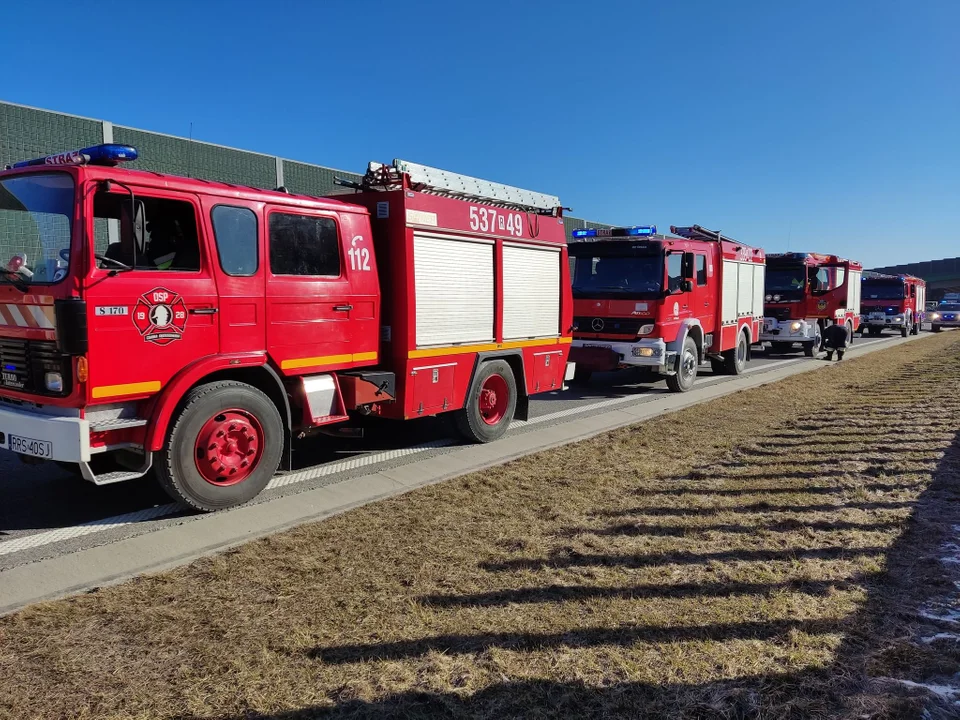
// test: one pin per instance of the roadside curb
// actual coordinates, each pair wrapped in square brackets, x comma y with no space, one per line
[173,546]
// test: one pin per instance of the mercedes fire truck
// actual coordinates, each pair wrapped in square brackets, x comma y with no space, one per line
[192,329]
[805,293]
[664,303]
[891,302]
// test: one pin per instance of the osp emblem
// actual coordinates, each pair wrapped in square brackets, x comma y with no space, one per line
[822,305]
[597,324]
[161,316]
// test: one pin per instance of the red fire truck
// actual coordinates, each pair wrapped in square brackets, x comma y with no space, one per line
[151,323]
[666,303]
[896,302]
[806,292]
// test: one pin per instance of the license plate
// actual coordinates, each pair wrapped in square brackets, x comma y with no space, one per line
[29,446]
[599,347]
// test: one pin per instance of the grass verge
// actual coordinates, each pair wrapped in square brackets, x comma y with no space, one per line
[762,555]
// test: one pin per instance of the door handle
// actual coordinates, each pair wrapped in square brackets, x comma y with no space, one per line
[343,308]
[203,311]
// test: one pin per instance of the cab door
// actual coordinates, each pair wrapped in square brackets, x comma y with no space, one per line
[701,302]
[154,314]
[322,299]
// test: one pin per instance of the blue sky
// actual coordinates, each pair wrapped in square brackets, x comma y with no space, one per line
[828,126]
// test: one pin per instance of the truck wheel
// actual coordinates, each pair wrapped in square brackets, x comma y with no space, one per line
[686,373]
[915,329]
[903,331]
[849,333]
[811,349]
[222,448]
[735,360]
[935,328]
[490,405]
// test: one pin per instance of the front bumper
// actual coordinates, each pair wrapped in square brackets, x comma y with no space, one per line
[883,320]
[599,355]
[955,322]
[49,437]
[783,331]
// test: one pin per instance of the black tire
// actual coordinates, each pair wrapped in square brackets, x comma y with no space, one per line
[735,360]
[177,463]
[850,334]
[915,329]
[470,421]
[935,328]
[581,376]
[903,331]
[687,365]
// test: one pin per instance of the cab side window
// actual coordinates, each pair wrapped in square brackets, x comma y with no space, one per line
[235,229]
[674,272]
[701,270]
[146,233]
[304,245]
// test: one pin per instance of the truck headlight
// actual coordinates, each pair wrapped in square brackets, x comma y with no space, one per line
[795,326]
[53,381]
[934,316]
[645,329]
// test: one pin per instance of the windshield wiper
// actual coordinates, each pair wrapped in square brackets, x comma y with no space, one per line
[16,279]
[118,266]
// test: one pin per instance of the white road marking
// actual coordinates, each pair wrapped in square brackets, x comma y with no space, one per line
[28,542]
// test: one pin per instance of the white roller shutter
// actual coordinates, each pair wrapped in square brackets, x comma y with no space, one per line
[759,280]
[454,290]
[531,292]
[728,308]
[745,290]
[854,288]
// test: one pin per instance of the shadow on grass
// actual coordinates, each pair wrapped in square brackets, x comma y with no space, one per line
[791,525]
[759,507]
[880,643]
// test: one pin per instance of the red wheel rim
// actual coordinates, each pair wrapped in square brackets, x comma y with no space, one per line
[494,395]
[229,447]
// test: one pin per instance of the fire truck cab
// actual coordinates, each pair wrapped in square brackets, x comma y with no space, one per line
[806,292]
[665,303]
[192,329]
[892,302]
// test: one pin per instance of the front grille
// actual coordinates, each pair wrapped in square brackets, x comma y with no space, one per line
[612,326]
[23,364]
[780,314]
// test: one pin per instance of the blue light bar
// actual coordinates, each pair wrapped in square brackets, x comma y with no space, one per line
[616,232]
[109,154]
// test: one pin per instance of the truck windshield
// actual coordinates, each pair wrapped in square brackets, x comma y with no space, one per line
[882,290]
[35,217]
[600,273]
[787,281]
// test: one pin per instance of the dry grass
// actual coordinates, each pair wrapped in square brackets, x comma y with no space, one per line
[762,555]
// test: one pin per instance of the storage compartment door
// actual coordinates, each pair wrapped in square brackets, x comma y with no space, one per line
[759,278]
[453,281]
[728,308]
[744,289]
[531,292]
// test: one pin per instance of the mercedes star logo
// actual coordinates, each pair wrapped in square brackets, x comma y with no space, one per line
[597,324]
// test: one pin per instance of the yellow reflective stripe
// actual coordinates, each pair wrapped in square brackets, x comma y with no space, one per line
[327,360]
[510,345]
[141,388]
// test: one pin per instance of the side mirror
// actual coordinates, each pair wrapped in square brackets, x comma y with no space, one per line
[686,286]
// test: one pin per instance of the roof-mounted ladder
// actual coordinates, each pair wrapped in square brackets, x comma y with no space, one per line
[441,182]
[696,232]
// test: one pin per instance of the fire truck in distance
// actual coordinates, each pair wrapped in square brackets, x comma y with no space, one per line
[805,293]
[193,329]
[893,302]
[666,303]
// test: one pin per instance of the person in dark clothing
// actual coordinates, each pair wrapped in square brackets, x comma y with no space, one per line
[834,339]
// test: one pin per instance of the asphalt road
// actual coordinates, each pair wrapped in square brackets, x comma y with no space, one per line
[45,512]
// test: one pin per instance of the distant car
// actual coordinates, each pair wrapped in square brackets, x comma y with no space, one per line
[944,315]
